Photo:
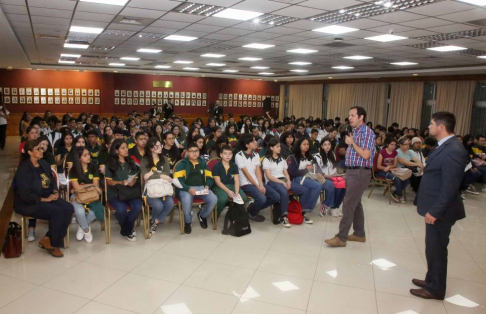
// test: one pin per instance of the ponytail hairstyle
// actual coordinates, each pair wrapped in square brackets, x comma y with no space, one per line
[327,157]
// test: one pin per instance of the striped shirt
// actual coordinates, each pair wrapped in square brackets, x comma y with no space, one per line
[364,137]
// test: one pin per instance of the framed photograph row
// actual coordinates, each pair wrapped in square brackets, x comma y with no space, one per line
[223,97]
[159,102]
[52,100]
[245,104]
[41,91]
[159,94]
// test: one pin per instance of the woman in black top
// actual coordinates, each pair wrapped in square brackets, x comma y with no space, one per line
[61,152]
[37,196]
[170,150]
[287,140]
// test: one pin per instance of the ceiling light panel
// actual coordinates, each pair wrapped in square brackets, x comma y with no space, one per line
[234,14]
[343,67]
[358,58]
[115,64]
[162,66]
[67,55]
[190,69]
[180,38]
[299,71]
[260,68]
[447,48]
[146,50]
[66,61]
[300,63]
[183,62]
[456,35]
[110,2]
[274,20]
[481,3]
[212,55]
[198,9]
[404,63]
[386,38]
[368,9]
[250,59]
[216,64]
[258,46]
[301,50]
[130,58]
[230,71]
[266,73]
[335,29]
[89,30]
[465,52]
[75,46]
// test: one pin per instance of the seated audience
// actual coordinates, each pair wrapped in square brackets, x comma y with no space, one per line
[388,160]
[170,150]
[416,148]
[286,144]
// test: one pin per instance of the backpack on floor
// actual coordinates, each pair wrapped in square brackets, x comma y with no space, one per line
[236,222]
[295,213]
[276,212]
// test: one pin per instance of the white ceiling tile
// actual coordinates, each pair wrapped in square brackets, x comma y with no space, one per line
[125,27]
[186,32]
[14,9]
[386,29]
[363,23]
[329,5]
[13,2]
[86,23]
[18,18]
[263,35]
[144,13]
[98,8]
[160,30]
[439,8]
[203,28]
[234,31]
[90,16]
[227,3]
[52,4]
[18,25]
[299,12]
[50,20]
[451,28]
[169,24]
[220,36]
[304,24]
[426,23]
[66,14]
[464,16]
[283,30]
[415,33]
[181,17]
[397,17]
[252,26]
[263,6]
[216,21]
[153,4]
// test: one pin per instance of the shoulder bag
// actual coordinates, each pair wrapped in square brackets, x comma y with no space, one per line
[13,241]
[157,188]
[402,173]
[86,193]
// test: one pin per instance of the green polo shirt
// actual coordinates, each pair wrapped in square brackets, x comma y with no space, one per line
[120,174]
[94,151]
[226,175]
[313,147]
[196,176]
[89,175]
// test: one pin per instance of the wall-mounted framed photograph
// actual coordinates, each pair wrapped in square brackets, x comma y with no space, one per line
[188,95]
[160,94]
[63,91]
[90,93]
[22,91]
[129,101]
[71,100]
[183,102]
[97,100]
[276,105]
[129,93]
[141,94]
[6,99]
[57,91]
[6,91]
[141,101]
[64,100]
[57,100]
[117,93]
[194,95]
[199,96]
[171,95]
[84,92]
[43,100]
[240,96]
[135,101]
[123,93]
[117,101]
[245,97]
[225,96]
[204,103]
[43,92]
[50,92]
[29,99]
[77,100]
[36,100]
[273,98]
[259,104]
[259,97]
[277,98]
[70,92]
[154,94]
[230,103]
[205,95]
[84,100]
[159,102]
[230,96]
[28,91]
[183,95]
[14,91]
[97,93]
[154,102]
[176,102]
[147,93]
[220,96]
[240,104]
[77,92]
[199,103]
[15,100]
[245,104]
[135,93]
[176,94]
[254,104]
[123,101]
[166,94]
[22,99]
[90,100]
[272,105]
[193,103]
[225,103]
[147,101]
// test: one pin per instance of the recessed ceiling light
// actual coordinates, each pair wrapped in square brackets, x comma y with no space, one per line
[386,38]
[191,69]
[329,77]
[404,63]
[235,14]
[260,68]
[335,29]
[115,71]
[447,48]
[117,64]
[342,67]
[299,71]
[415,74]
[75,46]
[149,50]
[482,57]
[130,58]
[180,38]
[358,57]
[230,71]
[300,63]
[67,55]
[265,73]
[183,62]
[111,2]
[162,66]
[65,61]
[302,50]
[258,46]
[212,55]
[475,2]
[250,59]
[216,64]
[89,30]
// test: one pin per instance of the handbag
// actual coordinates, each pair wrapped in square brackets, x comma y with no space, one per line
[86,194]
[339,182]
[125,193]
[13,241]
[402,173]
[157,188]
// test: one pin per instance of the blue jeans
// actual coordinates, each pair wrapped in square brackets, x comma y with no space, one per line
[397,183]
[339,195]
[482,169]
[160,207]
[314,185]
[261,200]
[126,218]
[298,189]
[187,199]
[82,218]
[312,190]
[470,177]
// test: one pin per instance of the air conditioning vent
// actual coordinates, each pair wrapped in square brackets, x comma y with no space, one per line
[129,20]
[45,36]
[338,44]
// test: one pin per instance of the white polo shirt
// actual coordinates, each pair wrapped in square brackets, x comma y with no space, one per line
[276,167]
[250,162]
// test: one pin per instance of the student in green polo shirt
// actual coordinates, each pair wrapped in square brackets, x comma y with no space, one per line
[313,142]
[225,174]
[93,147]
[78,141]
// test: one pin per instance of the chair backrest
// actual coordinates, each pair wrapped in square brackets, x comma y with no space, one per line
[212,162]
[336,154]
[375,165]
[183,155]
[54,174]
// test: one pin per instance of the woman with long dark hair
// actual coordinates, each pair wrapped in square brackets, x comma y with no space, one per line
[156,166]
[37,196]
[193,131]
[215,151]
[203,153]
[170,150]
[287,140]
[84,174]
[247,126]
[24,123]
[213,137]
[120,168]
[179,140]
[158,132]
[78,141]
[62,150]
[230,133]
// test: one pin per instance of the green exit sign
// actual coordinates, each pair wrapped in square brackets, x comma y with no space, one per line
[163,84]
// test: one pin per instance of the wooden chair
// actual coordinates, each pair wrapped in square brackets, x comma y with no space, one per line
[197,201]
[382,181]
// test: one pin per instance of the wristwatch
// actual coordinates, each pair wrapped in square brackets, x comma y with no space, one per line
[352,146]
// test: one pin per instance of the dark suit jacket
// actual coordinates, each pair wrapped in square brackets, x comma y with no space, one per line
[438,193]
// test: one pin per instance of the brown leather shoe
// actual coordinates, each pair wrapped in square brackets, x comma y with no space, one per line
[424,294]
[335,242]
[45,243]
[352,237]
[419,283]
[56,252]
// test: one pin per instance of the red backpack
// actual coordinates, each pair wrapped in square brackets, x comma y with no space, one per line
[295,213]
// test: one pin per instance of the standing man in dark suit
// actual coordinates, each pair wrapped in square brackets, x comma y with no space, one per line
[439,201]
[168,109]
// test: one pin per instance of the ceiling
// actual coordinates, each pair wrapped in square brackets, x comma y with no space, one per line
[41,27]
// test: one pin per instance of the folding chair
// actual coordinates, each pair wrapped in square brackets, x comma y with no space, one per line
[382,181]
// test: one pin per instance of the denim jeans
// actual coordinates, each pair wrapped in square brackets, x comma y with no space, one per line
[126,218]
[339,195]
[82,218]
[397,183]
[308,200]
[160,207]
[261,200]
[482,169]
[470,177]
[187,199]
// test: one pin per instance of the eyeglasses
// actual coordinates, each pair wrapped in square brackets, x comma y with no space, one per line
[193,151]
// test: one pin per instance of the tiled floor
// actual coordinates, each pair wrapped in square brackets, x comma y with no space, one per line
[272,270]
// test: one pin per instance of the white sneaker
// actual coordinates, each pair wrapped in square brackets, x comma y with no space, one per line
[88,237]
[73,220]
[340,212]
[31,235]
[307,220]
[80,233]
[285,222]
[334,212]
[471,190]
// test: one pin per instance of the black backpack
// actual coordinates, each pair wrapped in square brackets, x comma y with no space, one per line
[276,213]
[236,221]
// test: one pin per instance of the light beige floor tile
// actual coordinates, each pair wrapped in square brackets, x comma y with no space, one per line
[328,298]
[197,301]
[389,303]
[11,289]
[137,293]
[465,270]
[220,278]
[100,308]
[356,252]
[167,267]
[290,264]
[309,245]
[39,268]
[406,261]
[190,246]
[345,273]
[42,301]
[395,281]
[261,239]
[85,280]
[121,257]
[246,306]
[391,242]
[468,291]
[238,255]
[279,289]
